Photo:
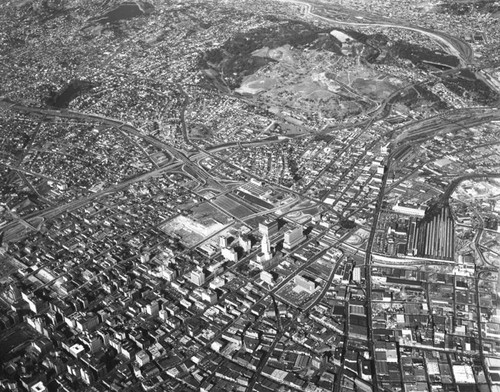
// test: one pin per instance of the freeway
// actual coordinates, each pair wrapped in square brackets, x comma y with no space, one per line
[70,114]
[251,143]
[455,46]
[185,104]
[479,317]
[368,255]
[368,261]
[171,151]
[24,171]
[474,116]
[252,175]
[17,160]
[177,158]
[189,165]
[450,122]
[418,131]
[325,289]
[12,229]
[23,222]
[457,181]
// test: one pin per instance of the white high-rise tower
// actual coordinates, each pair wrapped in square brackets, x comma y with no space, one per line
[265,245]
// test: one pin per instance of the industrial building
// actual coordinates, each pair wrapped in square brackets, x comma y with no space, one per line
[436,235]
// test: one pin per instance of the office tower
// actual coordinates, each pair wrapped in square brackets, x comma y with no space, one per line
[268,227]
[197,277]
[293,237]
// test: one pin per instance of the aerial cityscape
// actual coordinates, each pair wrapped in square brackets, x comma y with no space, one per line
[250,195]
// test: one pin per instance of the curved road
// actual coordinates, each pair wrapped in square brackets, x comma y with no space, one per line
[457,181]
[455,46]
[12,229]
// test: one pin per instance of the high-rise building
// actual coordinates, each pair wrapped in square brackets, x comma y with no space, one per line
[265,254]
[223,241]
[293,237]
[268,227]
[265,245]
[245,243]
[142,358]
[153,308]
[197,277]
[209,296]
[229,254]
[168,274]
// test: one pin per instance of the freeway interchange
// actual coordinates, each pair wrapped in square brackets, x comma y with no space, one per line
[179,161]
[190,165]
[409,134]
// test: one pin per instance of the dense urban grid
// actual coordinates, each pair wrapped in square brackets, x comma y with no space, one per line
[250,195]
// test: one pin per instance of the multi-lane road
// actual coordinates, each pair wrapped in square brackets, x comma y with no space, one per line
[453,45]
[322,11]
[13,229]
[189,164]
